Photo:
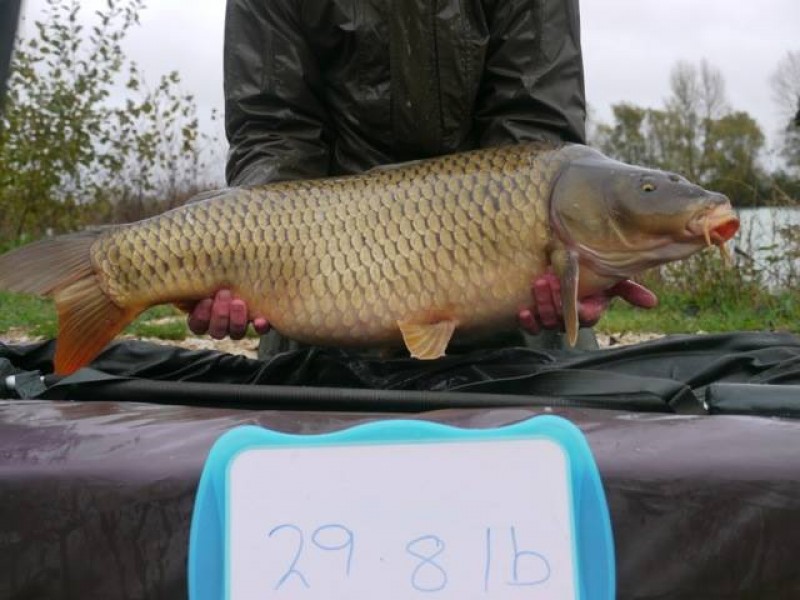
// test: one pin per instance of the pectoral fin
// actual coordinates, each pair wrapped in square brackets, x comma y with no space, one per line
[565,264]
[427,341]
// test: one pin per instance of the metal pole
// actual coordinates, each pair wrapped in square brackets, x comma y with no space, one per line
[9,17]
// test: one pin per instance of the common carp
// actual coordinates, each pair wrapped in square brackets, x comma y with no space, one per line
[407,253]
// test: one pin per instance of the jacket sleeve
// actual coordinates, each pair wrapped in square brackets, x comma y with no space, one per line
[532,86]
[274,120]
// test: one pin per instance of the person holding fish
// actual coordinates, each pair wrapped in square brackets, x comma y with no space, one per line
[327,241]
[337,87]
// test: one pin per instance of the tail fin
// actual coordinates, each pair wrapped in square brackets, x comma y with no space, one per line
[61,267]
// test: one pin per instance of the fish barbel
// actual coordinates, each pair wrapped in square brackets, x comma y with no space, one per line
[401,254]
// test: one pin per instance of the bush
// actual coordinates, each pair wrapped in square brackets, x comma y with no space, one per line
[71,152]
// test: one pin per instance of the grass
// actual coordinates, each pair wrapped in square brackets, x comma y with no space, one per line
[27,314]
[681,313]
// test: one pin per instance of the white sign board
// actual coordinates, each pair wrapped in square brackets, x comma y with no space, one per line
[460,520]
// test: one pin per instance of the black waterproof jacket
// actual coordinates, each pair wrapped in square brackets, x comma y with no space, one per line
[327,87]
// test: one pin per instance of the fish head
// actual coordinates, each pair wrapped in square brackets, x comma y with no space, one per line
[621,218]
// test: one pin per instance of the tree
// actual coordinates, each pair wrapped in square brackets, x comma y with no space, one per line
[731,165]
[785,83]
[69,150]
[695,134]
[697,100]
[627,139]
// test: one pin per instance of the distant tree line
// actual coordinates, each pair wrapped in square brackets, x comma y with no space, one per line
[698,134]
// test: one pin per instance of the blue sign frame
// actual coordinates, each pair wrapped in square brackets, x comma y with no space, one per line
[593,550]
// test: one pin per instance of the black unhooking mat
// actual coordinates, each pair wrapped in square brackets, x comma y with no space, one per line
[682,374]
[695,436]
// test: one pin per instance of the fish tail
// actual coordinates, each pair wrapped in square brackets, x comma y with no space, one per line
[61,267]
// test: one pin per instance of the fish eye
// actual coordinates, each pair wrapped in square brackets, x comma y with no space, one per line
[648,187]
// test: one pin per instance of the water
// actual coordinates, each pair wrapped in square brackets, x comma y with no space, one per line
[767,248]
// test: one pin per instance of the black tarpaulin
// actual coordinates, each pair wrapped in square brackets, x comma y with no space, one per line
[682,374]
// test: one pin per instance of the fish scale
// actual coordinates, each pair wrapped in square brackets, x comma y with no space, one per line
[408,253]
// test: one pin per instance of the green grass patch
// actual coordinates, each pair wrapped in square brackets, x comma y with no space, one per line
[30,314]
[163,322]
[683,313]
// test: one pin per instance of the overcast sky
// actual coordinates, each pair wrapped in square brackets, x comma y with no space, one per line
[629,47]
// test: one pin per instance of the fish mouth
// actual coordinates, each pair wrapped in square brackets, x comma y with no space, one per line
[715,227]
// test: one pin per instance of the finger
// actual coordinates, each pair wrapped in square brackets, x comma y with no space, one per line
[634,293]
[237,325]
[261,325]
[528,322]
[200,316]
[591,308]
[220,315]
[546,310]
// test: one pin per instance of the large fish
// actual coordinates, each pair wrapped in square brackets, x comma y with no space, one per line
[408,253]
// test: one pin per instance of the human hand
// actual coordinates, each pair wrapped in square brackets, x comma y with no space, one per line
[546,292]
[224,315]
